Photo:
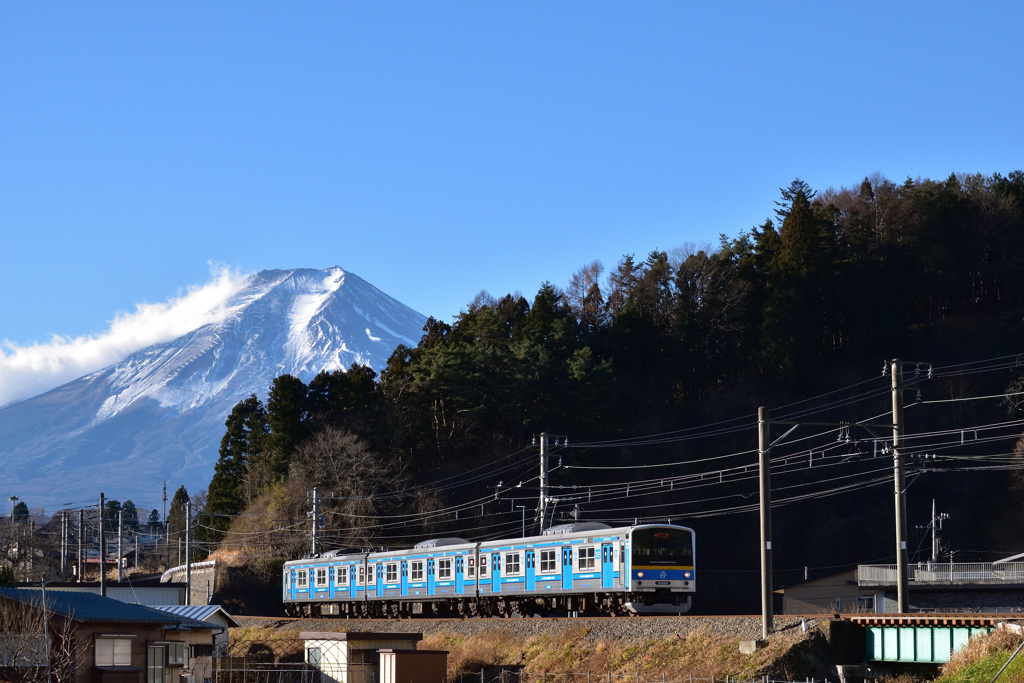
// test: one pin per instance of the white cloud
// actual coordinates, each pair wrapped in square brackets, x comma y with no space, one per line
[27,371]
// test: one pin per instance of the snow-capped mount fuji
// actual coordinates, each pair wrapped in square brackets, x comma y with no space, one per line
[158,415]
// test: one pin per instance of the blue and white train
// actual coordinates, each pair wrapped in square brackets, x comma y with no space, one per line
[584,568]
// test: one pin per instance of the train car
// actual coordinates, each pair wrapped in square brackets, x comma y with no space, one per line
[582,568]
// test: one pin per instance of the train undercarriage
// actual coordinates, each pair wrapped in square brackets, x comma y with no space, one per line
[587,604]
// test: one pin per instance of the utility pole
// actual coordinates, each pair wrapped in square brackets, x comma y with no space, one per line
[120,535]
[63,543]
[167,530]
[81,533]
[543,480]
[103,553]
[316,521]
[764,470]
[188,552]
[899,479]
[935,526]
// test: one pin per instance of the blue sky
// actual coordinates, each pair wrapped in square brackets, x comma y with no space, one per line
[442,148]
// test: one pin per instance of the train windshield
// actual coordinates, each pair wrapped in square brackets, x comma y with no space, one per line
[662,546]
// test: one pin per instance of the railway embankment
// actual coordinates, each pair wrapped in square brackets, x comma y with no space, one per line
[662,648]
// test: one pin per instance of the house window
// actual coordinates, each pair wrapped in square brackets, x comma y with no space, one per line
[300,579]
[113,652]
[176,654]
[313,657]
[321,577]
[444,570]
[548,562]
[155,664]
[416,570]
[200,650]
[587,558]
[865,603]
[511,564]
[392,572]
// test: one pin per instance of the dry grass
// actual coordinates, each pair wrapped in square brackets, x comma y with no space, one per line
[982,658]
[699,653]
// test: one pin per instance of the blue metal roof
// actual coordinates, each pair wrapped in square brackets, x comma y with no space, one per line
[198,612]
[89,607]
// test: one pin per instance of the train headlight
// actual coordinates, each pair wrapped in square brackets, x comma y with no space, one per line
[687,575]
[640,575]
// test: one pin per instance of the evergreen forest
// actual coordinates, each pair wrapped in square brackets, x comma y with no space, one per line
[647,378]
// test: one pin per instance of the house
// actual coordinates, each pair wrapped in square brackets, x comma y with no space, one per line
[86,638]
[838,593]
[352,656]
[950,587]
[210,614]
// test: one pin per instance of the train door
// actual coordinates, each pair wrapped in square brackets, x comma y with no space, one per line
[460,581]
[404,577]
[607,565]
[353,581]
[431,577]
[378,571]
[332,584]
[495,572]
[567,568]
[531,570]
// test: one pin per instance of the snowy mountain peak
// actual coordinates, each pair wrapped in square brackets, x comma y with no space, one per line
[164,406]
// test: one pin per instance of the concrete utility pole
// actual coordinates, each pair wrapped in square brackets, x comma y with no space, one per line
[120,536]
[316,521]
[81,534]
[764,469]
[543,480]
[188,552]
[103,553]
[899,479]
[63,543]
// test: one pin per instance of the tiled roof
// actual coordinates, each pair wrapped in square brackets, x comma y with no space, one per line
[89,607]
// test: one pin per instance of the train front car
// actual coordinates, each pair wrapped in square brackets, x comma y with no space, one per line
[662,573]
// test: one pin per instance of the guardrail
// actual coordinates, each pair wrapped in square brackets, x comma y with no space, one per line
[942,573]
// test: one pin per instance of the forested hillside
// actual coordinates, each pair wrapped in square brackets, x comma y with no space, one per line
[650,375]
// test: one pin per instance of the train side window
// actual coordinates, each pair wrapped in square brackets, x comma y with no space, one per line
[484,560]
[361,576]
[321,577]
[300,579]
[342,576]
[548,561]
[512,565]
[444,569]
[416,570]
[587,558]
[470,569]
[391,572]
[371,575]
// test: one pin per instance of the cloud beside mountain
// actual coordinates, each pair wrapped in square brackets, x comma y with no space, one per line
[30,370]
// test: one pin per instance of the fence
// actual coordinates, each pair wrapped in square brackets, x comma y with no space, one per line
[939,573]
[287,660]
